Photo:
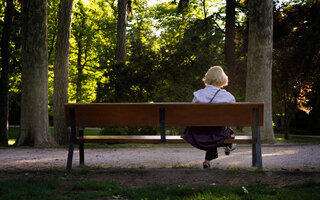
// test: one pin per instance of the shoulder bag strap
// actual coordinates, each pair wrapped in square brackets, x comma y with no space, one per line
[215,94]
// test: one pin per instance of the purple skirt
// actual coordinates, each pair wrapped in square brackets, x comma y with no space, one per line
[207,138]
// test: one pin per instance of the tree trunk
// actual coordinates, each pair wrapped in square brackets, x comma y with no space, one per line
[4,82]
[229,43]
[34,125]
[61,67]
[259,64]
[121,31]
[204,8]
[79,73]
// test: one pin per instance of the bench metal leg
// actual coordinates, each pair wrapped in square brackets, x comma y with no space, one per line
[162,113]
[256,147]
[81,146]
[72,138]
[258,152]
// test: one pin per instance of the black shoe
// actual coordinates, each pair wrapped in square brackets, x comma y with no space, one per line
[230,148]
[206,166]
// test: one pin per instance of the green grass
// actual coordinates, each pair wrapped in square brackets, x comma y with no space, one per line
[85,189]
[22,189]
[29,189]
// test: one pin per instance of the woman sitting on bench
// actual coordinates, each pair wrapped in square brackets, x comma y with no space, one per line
[209,138]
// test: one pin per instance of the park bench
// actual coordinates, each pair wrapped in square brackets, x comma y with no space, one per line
[81,115]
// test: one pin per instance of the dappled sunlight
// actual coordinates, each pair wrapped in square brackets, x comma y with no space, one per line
[235,152]
[32,161]
[281,153]
[193,163]
[187,164]
[237,163]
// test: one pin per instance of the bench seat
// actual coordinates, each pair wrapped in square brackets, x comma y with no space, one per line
[155,139]
[180,114]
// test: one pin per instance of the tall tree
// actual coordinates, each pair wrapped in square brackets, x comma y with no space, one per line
[60,95]
[83,33]
[121,31]
[34,125]
[5,65]
[229,41]
[259,63]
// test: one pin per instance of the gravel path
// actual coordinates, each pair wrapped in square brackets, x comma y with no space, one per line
[292,157]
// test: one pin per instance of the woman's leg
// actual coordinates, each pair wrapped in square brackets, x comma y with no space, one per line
[210,155]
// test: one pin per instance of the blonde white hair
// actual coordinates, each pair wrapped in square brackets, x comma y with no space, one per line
[216,76]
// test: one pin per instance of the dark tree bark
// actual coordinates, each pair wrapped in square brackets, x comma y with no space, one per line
[259,64]
[230,44]
[34,125]
[5,65]
[121,31]
[61,68]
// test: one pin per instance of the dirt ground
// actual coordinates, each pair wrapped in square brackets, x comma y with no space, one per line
[283,164]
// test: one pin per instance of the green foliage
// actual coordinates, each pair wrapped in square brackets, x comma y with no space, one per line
[200,48]
[158,64]
[83,61]
[168,53]
[296,63]
[15,57]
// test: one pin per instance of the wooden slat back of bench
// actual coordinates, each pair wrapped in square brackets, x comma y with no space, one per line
[114,114]
[176,114]
[222,114]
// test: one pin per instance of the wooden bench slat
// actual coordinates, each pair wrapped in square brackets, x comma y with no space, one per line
[176,114]
[214,114]
[115,139]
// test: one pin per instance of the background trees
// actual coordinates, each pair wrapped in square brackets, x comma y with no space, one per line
[167,54]
[5,66]
[296,67]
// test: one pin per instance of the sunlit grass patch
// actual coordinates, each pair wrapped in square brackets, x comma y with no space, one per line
[178,165]
[297,139]
[235,170]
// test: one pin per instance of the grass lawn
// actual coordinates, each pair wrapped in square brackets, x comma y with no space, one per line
[12,189]
[297,139]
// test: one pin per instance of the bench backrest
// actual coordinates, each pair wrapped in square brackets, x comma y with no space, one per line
[175,114]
